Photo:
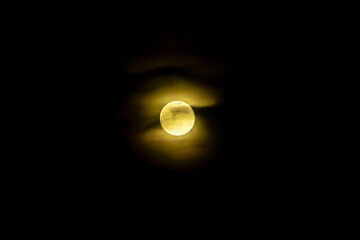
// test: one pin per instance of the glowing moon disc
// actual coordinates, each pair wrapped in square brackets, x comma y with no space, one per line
[177,118]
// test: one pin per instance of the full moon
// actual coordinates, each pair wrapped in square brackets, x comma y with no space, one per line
[177,118]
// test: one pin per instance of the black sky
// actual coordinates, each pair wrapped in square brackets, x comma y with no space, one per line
[260,120]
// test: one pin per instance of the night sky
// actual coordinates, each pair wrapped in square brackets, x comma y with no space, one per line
[255,153]
[257,126]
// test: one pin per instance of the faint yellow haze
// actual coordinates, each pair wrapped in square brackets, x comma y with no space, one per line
[194,65]
[165,70]
[152,96]
[158,146]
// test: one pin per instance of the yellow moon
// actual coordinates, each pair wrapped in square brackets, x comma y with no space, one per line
[177,118]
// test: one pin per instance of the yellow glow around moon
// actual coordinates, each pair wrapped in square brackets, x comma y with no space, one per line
[177,118]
